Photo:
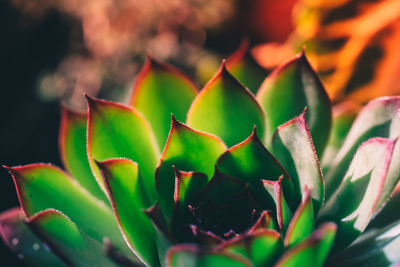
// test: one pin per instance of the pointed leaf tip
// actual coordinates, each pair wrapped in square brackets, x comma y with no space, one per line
[215,109]
[289,89]
[294,148]
[186,149]
[165,87]
[136,141]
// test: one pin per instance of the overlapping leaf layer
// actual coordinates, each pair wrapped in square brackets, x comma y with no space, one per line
[232,179]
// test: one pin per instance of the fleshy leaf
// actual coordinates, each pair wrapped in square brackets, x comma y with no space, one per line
[285,93]
[293,147]
[283,212]
[371,178]
[389,212]
[43,186]
[117,131]
[379,249]
[65,239]
[21,241]
[124,186]
[250,161]
[192,256]
[160,90]
[72,144]
[164,238]
[207,238]
[187,150]
[226,108]
[188,186]
[265,221]
[313,250]
[302,223]
[343,117]
[244,68]
[262,247]
[379,118]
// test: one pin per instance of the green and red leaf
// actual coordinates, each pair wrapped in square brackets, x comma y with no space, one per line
[191,255]
[313,250]
[250,161]
[262,247]
[117,131]
[343,116]
[188,186]
[160,90]
[294,148]
[124,186]
[371,178]
[285,93]
[72,144]
[187,150]
[43,186]
[224,107]
[283,212]
[379,118]
[302,223]
[22,242]
[244,68]
[67,241]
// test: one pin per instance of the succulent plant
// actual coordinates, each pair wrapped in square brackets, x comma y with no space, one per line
[238,184]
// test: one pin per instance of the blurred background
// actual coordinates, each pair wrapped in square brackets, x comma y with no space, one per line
[53,51]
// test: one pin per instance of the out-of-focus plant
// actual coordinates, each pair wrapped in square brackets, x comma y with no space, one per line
[352,44]
[117,33]
[240,184]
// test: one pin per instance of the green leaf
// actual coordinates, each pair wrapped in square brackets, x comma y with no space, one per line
[379,249]
[313,250]
[188,186]
[389,212]
[244,68]
[286,92]
[160,90]
[205,238]
[343,117]
[124,186]
[262,247]
[187,150]
[265,221]
[250,161]
[164,238]
[225,108]
[72,143]
[379,118]
[22,242]
[117,131]
[302,223]
[283,212]
[293,147]
[43,186]
[65,239]
[192,256]
[370,180]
